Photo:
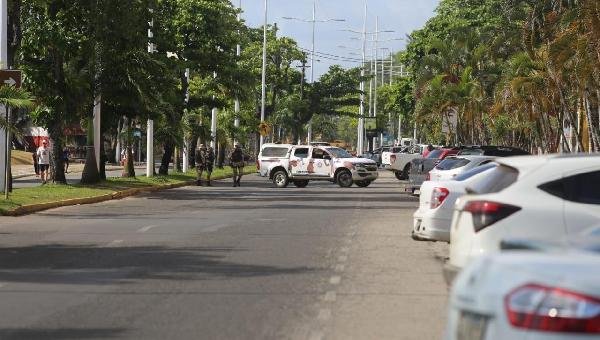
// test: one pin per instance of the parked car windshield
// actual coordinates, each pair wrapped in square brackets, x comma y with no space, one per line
[339,153]
[274,152]
[477,170]
[452,163]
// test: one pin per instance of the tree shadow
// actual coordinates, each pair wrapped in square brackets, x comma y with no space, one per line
[91,265]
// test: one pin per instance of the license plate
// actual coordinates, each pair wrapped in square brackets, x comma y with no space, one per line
[471,326]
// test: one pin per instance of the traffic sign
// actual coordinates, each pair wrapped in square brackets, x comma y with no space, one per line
[10,78]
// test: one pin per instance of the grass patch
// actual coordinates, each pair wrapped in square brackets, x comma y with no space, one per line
[52,193]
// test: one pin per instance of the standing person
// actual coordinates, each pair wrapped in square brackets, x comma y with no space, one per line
[236,160]
[43,156]
[205,158]
[65,157]
[427,150]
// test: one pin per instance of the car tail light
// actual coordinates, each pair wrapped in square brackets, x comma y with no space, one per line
[549,309]
[428,177]
[438,196]
[486,213]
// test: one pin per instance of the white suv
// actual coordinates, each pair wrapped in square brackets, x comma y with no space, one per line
[304,163]
[534,197]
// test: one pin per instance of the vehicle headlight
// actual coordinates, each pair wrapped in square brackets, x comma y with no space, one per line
[359,166]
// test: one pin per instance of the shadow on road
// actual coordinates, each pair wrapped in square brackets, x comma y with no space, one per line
[88,264]
[60,333]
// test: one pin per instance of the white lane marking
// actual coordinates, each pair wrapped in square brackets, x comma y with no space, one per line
[340,268]
[335,280]
[330,296]
[343,258]
[147,228]
[272,220]
[324,314]
[114,243]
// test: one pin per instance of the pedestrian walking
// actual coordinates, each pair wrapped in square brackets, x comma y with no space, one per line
[65,157]
[205,159]
[43,157]
[236,160]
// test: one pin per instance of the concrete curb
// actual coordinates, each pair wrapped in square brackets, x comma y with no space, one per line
[33,208]
[73,172]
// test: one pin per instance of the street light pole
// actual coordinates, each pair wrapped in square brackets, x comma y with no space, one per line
[264,76]
[361,120]
[4,143]
[312,65]
[150,124]
[238,53]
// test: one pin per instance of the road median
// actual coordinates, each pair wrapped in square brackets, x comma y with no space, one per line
[30,200]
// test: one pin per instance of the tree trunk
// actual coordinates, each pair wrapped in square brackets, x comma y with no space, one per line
[592,131]
[166,158]
[177,159]
[192,154]
[102,162]
[128,169]
[56,134]
[221,161]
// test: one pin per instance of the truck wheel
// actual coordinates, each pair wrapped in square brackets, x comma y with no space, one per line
[301,183]
[344,179]
[280,179]
[399,175]
[363,184]
[406,171]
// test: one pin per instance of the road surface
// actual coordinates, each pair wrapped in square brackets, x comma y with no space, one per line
[253,262]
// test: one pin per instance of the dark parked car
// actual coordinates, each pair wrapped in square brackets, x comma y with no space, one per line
[420,168]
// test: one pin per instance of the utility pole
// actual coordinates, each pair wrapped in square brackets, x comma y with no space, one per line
[313,21]
[213,122]
[186,158]
[150,123]
[264,76]
[361,120]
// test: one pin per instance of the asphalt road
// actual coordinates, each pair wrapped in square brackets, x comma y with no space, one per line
[253,262]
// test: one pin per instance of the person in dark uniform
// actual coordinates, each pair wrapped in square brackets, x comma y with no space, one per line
[236,160]
[205,158]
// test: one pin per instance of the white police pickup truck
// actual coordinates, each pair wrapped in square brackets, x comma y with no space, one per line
[300,164]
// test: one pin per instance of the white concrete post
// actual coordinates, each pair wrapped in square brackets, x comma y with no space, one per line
[4,65]
[150,125]
[264,75]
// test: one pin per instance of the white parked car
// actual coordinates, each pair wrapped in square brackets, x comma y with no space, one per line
[527,295]
[453,166]
[399,162]
[535,197]
[431,222]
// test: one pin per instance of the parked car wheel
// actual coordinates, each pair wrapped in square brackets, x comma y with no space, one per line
[363,184]
[301,183]
[280,179]
[406,171]
[344,179]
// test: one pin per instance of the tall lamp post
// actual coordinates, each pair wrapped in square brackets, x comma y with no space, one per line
[238,53]
[313,21]
[264,76]
[150,124]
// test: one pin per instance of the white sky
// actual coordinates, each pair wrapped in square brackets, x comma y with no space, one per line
[401,16]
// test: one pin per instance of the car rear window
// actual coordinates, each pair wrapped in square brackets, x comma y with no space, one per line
[582,188]
[274,152]
[497,180]
[475,171]
[452,163]
[434,153]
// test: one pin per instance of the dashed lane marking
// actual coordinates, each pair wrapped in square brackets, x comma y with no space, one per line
[114,243]
[146,229]
[335,280]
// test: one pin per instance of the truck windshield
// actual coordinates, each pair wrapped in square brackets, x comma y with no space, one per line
[339,153]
